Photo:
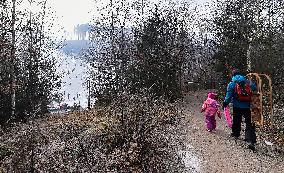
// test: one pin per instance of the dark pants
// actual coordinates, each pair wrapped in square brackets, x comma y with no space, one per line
[238,113]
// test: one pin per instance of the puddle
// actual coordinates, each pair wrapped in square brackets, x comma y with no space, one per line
[190,159]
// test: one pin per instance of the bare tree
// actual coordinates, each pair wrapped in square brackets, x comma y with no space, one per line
[31,66]
[13,50]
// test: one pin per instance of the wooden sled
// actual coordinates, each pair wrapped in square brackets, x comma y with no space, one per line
[262,103]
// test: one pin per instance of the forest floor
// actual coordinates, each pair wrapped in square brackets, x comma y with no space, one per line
[217,151]
[54,136]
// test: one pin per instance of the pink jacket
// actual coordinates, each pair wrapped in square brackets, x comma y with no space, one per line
[210,106]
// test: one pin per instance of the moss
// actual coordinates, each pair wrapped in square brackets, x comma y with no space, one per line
[4,152]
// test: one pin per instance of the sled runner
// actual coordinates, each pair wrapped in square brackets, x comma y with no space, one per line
[261,100]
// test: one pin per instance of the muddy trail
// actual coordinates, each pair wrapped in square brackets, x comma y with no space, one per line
[217,151]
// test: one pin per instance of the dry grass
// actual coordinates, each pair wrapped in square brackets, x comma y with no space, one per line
[133,134]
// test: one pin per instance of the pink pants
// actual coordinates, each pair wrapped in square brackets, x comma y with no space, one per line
[210,122]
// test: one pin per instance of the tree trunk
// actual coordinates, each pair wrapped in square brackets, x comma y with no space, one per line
[248,56]
[13,92]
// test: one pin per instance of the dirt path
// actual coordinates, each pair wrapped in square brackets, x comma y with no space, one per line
[217,152]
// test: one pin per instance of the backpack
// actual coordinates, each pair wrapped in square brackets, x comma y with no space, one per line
[243,91]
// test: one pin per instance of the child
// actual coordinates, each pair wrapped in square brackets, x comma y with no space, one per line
[210,109]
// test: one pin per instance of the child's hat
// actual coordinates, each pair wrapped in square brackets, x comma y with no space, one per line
[212,95]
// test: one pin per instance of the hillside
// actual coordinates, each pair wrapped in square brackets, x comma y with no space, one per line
[97,141]
[75,46]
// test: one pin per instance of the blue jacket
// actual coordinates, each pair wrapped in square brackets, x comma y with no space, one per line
[231,96]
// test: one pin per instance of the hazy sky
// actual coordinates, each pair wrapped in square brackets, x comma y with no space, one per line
[73,12]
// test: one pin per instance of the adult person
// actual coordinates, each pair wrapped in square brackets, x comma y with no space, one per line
[239,91]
